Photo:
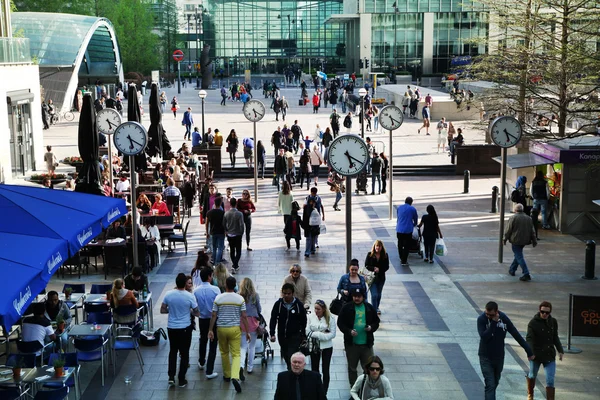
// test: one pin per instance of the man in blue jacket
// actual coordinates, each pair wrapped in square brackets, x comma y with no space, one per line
[188,121]
[406,221]
[492,326]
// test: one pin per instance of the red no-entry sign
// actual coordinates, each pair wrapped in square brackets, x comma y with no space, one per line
[178,55]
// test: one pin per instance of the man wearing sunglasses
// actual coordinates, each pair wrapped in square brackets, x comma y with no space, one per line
[492,326]
[542,336]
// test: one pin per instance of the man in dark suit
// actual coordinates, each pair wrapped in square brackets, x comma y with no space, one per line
[299,384]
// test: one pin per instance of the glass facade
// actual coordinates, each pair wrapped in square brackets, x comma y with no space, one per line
[400,32]
[267,36]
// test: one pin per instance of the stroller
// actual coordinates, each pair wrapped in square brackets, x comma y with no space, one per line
[416,245]
[263,346]
[361,182]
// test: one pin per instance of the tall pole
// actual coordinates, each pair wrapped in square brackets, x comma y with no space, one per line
[502,206]
[110,167]
[178,77]
[134,214]
[391,174]
[204,138]
[362,116]
[255,167]
[197,56]
[348,222]
[189,47]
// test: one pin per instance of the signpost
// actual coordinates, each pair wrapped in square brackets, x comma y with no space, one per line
[178,56]
[584,319]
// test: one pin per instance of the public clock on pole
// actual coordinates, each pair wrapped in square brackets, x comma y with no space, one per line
[506,131]
[391,117]
[348,155]
[254,110]
[107,120]
[131,138]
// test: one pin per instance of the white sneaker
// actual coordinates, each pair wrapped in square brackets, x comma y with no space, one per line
[212,376]
[200,366]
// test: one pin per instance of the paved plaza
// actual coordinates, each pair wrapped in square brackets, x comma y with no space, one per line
[428,337]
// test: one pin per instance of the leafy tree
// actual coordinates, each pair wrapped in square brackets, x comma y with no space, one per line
[544,55]
[83,7]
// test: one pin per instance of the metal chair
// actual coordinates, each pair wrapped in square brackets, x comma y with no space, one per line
[127,315]
[127,339]
[89,350]
[70,362]
[104,318]
[57,394]
[25,360]
[173,206]
[101,288]
[74,261]
[34,347]
[115,257]
[180,238]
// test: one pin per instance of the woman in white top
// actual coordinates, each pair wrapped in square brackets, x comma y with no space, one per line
[322,325]
[150,232]
[316,159]
[372,384]
[285,198]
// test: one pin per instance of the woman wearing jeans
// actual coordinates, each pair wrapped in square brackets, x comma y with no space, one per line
[378,262]
[253,310]
[542,337]
[431,230]
[246,207]
[322,326]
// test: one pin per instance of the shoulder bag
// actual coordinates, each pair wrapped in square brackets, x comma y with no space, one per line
[336,305]
[368,275]
[310,345]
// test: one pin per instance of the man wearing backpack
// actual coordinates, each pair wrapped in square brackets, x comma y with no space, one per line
[318,206]
[297,134]
[540,192]
[334,120]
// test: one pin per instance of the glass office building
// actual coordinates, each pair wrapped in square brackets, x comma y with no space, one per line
[419,36]
[267,36]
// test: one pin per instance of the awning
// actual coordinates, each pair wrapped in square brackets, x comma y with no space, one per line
[515,161]
[341,18]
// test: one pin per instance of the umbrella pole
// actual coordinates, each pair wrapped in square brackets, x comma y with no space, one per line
[134,213]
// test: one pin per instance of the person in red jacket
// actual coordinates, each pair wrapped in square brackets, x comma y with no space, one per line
[160,205]
[316,100]
[246,207]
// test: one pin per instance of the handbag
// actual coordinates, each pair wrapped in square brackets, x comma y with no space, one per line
[274,180]
[440,248]
[322,229]
[336,305]
[368,275]
[306,344]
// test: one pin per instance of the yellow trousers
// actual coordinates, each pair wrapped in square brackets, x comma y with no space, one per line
[230,342]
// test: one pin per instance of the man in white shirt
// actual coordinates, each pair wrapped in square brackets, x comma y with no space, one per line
[179,303]
[123,185]
[38,327]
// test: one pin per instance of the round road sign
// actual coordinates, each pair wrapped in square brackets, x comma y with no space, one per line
[178,55]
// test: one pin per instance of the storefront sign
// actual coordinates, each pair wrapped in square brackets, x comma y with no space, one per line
[586,316]
[545,150]
[579,156]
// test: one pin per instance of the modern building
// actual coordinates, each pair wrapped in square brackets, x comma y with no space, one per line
[420,37]
[21,140]
[266,36]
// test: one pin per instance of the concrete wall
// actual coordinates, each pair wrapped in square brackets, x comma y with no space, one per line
[20,78]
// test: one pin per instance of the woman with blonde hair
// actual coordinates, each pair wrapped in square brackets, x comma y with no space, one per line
[378,262]
[253,310]
[220,276]
[120,296]
[321,327]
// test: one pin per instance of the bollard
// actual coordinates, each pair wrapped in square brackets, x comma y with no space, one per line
[494,200]
[452,157]
[467,179]
[590,260]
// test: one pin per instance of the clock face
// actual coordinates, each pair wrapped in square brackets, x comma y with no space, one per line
[506,131]
[348,155]
[254,110]
[391,117]
[131,138]
[107,120]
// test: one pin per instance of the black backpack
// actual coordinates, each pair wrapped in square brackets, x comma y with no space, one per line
[514,196]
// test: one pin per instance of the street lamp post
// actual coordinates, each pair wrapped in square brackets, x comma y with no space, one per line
[202,95]
[362,93]
[197,54]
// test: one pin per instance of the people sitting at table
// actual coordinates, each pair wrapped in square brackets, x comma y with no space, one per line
[457,141]
[123,184]
[120,296]
[160,206]
[171,189]
[143,203]
[136,280]
[115,230]
[106,185]
[55,307]
[150,232]
[177,175]
[157,172]
[196,137]
[38,327]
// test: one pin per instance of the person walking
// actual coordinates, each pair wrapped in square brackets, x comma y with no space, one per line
[431,231]
[293,227]
[311,223]
[406,221]
[336,183]
[351,281]
[519,232]
[302,289]
[378,262]
[384,171]
[188,121]
[246,206]
[372,384]
[299,383]
[229,312]
[284,107]
[442,128]
[375,173]
[316,159]
[316,100]
[223,95]
[253,311]
[276,106]
[322,328]
[215,231]
[540,193]
[261,155]
[348,122]
[248,148]
[358,321]
[232,146]
[174,106]
[50,160]
[178,303]
[233,222]
[305,168]
[334,121]
[288,315]
[542,337]
[285,198]
[405,102]
[280,167]
[492,326]
[426,119]
[205,295]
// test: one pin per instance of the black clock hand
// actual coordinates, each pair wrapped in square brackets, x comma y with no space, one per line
[355,159]
[256,112]
[110,123]
[507,135]
[347,154]
[132,142]
[394,121]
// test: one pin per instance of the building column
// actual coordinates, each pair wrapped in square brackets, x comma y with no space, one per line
[428,20]
[364,33]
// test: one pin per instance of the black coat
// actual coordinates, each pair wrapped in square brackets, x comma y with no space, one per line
[346,322]
[288,227]
[290,323]
[311,386]
[542,337]
[383,264]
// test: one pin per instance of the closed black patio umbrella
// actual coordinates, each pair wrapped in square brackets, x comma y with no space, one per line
[88,180]
[158,143]
[133,114]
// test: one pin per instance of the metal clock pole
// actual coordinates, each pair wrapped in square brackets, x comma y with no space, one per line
[391,186]
[255,167]
[134,212]
[110,164]
[348,222]
[502,206]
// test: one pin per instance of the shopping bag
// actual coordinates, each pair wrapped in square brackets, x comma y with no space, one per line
[323,229]
[368,275]
[440,248]
[415,233]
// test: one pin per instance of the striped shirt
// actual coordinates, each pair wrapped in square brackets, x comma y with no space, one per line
[229,307]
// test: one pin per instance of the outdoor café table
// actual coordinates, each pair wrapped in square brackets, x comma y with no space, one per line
[165,227]
[42,375]
[143,301]
[150,186]
[7,380]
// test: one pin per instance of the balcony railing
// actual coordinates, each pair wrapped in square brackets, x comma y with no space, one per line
[14,51]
